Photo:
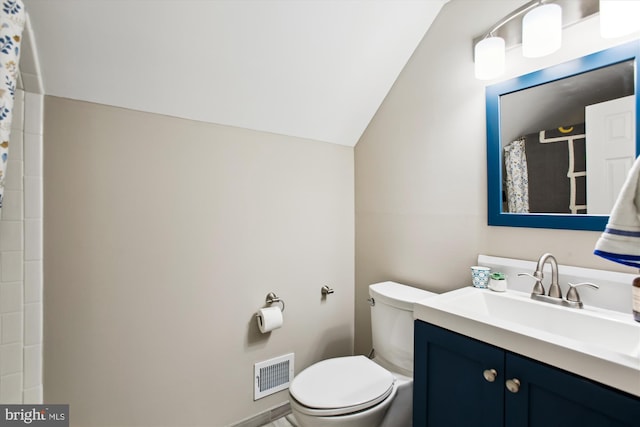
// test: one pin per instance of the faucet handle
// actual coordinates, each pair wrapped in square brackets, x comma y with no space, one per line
[538,289]
[572,293]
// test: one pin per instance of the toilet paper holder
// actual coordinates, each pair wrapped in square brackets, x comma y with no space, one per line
[273,298]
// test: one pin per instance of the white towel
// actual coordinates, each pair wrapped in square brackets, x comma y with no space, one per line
[620,241]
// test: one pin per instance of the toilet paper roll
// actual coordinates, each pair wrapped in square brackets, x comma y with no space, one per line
[269,318]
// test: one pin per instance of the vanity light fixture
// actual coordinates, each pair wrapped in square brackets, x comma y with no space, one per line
[489,49]
[490,58]
[619,18]
[542,30]
[537,26]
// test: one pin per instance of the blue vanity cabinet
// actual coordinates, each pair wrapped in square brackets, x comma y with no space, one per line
[449,387]
[454,386]
[551,397]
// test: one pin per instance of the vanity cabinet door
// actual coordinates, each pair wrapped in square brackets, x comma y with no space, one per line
[550,397]
[458,381]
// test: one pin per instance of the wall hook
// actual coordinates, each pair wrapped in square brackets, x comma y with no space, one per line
[326,290]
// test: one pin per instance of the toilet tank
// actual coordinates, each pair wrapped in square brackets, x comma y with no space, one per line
[392,322]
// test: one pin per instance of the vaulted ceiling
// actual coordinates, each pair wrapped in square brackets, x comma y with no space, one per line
[316,69]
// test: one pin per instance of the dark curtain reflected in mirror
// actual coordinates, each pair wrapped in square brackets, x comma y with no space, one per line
[555,163]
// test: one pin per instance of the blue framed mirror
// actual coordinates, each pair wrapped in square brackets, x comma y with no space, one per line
[549,136]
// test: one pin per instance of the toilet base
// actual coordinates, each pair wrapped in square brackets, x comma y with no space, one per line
[400,413]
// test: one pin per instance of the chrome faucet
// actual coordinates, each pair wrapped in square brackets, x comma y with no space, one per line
[555,293]
[538,288]
[554,289]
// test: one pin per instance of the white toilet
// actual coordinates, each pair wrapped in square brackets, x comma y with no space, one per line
[355,391]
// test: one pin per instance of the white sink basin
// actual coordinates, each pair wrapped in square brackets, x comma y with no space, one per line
[599,344]
[599,328]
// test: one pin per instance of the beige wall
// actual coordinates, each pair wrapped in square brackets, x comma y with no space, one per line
[162,237]
[421,167]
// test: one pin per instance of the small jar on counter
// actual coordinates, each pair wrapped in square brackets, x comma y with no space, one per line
[635,301]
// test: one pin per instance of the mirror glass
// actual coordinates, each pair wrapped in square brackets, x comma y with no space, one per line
[560,141]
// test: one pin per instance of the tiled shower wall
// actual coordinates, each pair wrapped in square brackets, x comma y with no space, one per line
[21,257]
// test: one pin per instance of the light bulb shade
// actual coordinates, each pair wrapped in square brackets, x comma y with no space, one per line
[489,58]
[619,18]
[542,31]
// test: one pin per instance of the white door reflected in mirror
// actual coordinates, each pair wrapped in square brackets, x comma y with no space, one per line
[610,151]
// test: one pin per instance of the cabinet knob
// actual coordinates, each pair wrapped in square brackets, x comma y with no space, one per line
[513,385]
[490,375]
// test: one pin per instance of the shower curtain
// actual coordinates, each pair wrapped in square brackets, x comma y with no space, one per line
[517,182]
[12,19]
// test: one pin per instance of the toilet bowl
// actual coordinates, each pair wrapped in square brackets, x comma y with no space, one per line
[355,391]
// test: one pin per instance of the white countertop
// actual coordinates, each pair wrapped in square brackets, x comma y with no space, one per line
[613,367]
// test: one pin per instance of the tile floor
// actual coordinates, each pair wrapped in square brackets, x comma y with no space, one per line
[286,421]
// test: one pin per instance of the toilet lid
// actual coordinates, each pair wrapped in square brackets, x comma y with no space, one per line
[342,385]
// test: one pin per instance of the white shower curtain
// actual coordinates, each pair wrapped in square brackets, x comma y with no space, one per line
[12,19]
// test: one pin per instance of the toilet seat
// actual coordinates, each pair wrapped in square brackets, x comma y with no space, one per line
[341,385]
